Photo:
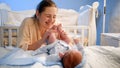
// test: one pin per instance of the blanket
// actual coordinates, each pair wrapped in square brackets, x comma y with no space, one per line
[102,57]
[96,57]
[46,55]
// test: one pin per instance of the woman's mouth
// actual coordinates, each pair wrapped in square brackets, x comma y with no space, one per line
[47,24]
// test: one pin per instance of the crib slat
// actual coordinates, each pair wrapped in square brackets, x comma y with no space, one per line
[68,28]
[78,28]
[10,33]
[10,36]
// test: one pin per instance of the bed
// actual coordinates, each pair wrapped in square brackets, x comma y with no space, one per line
[96,56]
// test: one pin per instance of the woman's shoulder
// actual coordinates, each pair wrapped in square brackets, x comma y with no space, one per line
[28,21]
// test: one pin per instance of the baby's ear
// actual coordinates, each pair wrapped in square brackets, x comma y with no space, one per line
[61,55]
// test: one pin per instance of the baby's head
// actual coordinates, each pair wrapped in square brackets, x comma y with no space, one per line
[71,58]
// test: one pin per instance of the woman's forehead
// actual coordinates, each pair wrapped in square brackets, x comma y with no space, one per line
[50,10]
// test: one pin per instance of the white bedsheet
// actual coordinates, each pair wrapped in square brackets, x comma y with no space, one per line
[96,57]
[23,59]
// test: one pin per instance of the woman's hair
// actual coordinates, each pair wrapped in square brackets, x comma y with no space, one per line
[71,59]
[43,4]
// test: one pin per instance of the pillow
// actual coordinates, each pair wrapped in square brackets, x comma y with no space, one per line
[67,17]
[16,18]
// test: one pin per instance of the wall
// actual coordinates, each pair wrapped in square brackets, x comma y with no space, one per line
[114,14]
[112,24]
[18,5]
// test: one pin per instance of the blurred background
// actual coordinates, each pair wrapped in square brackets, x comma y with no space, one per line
[112,19]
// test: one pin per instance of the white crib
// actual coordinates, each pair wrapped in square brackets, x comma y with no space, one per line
[69,18]
[9,35]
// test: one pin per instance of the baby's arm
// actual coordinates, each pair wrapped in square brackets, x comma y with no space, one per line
[63,35]
[78,45]
[42,50]
[53,59]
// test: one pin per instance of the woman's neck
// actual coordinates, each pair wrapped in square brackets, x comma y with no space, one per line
[41,29]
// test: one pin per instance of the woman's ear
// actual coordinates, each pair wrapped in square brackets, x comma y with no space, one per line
[37,14]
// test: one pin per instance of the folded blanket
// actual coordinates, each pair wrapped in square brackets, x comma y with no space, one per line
[20,57]
[17,57]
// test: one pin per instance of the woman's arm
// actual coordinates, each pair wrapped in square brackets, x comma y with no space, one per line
[28,35]
[40,42]
[36,45]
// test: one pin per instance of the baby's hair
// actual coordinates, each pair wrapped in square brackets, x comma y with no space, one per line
[71,59]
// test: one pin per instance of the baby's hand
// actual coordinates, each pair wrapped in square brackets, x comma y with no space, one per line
[61,55]
[76,40]
[59,28]
[54,27]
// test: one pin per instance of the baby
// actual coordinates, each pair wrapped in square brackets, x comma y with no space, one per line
[60,47]
[57,33]
[71,58]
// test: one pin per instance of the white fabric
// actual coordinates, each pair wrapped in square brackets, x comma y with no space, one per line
[4,6]
[53,48]
[87,18]
[68,17]
[84,17]
[96,57]
[16,17]
[64,16]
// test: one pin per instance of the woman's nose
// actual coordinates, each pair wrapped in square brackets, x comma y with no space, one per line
[51,19]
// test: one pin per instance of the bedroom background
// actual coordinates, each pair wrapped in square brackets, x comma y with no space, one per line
[112,11]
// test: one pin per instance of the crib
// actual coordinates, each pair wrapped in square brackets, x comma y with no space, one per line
[9,34]
[11,21]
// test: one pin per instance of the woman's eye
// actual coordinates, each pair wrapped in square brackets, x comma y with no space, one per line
[48,16]
[54,16]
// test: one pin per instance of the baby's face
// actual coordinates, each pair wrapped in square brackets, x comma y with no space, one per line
[72,58]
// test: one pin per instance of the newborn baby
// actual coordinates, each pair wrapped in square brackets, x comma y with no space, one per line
[60,48]
[71,58]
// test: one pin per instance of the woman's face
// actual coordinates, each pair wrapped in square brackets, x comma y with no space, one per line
[47,18]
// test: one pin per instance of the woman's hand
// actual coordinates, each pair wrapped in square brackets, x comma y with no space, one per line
[48,33]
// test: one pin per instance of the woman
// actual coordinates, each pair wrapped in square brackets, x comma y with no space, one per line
[35,30]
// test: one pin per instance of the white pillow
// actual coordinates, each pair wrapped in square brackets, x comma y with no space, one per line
[16,17]
[67,17]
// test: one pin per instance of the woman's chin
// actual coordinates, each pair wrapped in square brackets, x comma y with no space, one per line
[47,27]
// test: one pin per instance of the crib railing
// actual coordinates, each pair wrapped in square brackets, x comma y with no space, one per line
[9,34]
[78,32]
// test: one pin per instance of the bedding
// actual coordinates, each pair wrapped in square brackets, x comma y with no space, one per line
[46,55]
[95,56]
